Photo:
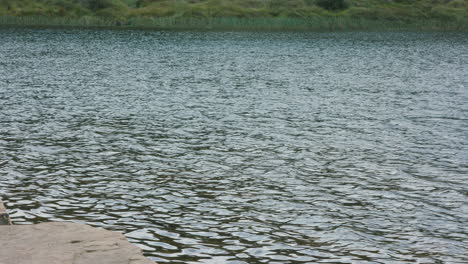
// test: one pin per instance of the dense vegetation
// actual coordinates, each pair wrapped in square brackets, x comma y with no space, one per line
[239,13]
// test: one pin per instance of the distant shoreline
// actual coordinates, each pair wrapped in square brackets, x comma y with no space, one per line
[237,24]
[261,15]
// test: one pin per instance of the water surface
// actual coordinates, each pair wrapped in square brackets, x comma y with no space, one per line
[222,147]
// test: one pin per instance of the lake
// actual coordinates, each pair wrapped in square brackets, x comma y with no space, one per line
[242,147]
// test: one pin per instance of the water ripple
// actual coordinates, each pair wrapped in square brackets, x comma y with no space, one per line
[210,147]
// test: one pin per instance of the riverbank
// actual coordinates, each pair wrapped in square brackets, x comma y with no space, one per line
[263,24]
[314,15]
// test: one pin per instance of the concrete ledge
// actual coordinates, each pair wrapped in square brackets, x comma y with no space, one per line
[64,243]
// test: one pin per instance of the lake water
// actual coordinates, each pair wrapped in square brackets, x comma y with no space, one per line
[242,147]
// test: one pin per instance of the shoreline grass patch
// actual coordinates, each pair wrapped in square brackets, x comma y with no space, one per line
[240,14]
[235,23]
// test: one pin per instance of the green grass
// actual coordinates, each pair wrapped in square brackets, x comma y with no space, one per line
[230,23]
[239,14]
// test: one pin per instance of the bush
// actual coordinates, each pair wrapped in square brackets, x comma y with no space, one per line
[97,4]
[286,4]
[332,4]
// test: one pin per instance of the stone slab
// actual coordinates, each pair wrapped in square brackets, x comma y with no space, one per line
[66,243]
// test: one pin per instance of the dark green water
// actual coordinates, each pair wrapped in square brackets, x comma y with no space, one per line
[209,147]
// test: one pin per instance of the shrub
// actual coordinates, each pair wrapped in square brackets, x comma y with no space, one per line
[286,4]
[98,4]
[332,4]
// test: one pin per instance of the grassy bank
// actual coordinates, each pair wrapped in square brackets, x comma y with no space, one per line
[240,14]
[271,24]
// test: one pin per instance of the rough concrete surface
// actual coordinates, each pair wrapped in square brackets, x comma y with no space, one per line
[65,243]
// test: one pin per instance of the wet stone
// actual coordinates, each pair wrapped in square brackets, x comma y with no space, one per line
[4,217]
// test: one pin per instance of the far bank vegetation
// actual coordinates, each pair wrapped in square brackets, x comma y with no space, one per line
[141,12]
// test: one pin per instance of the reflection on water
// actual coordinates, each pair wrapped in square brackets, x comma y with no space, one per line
[209,147]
